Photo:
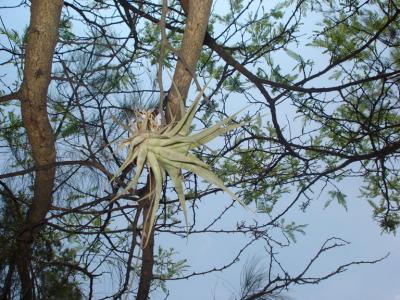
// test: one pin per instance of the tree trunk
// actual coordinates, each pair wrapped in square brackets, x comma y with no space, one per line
[42,39]
[146,272]
[193,38]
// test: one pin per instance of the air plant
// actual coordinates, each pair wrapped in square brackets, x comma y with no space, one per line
[166,150]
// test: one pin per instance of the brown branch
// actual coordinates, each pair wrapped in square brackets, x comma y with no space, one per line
[12,96]
[284,280]
[164,44]
[6,291]
[222,51]
[88,163]
[146,271]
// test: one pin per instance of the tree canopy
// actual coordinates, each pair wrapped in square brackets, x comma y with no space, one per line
[315,85]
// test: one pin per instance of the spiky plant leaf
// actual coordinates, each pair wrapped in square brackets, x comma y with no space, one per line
[165,150]
[175,175]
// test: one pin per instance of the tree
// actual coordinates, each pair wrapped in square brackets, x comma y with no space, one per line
[323,108]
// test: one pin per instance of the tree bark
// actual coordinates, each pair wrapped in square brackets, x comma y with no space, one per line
[41,41]
[198,14]
[146,271]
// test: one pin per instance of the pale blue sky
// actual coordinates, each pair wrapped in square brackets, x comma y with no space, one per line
[366,282]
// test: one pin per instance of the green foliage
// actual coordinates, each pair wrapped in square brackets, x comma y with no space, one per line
[56,272]
[234,84]
[339,197]
[71,128]
[53,262]
[15,37]
[66,32]
[291,229]
[167,267]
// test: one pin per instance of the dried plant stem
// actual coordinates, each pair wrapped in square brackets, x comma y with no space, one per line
[164,44]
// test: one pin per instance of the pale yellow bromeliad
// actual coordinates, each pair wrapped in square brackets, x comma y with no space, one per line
[165,150]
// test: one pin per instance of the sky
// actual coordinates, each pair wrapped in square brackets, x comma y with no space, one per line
[366,282]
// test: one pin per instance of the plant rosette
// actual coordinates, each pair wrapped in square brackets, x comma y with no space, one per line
[166,150]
